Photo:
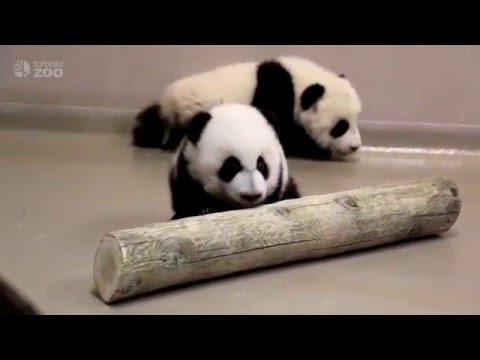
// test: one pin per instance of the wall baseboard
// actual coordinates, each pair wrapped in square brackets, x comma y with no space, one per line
[420,135]
[66,118]
[120,121]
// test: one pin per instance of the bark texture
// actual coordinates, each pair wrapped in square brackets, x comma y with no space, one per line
[140,260]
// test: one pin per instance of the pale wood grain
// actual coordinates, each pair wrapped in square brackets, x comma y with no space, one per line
[144,259]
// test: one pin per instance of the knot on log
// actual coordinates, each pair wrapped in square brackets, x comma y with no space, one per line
[444,184]
[454,191]
[414,230]
[282,211]
[348,201]
[176,251]
[131,287]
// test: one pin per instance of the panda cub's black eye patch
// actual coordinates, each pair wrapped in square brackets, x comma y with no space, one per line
[340,128]
[262,167]
[231,166]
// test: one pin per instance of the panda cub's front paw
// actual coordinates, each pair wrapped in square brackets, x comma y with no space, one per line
[205,211]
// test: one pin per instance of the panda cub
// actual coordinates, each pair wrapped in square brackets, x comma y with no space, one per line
[316,108]
[230,158]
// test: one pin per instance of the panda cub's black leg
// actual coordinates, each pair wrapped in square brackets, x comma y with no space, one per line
[173,138]
[176,216]
[205,211]
[291,191]
[151,130]
[148,129]
[200,212]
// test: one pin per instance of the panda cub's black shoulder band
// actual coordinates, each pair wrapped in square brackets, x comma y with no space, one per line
[196,126]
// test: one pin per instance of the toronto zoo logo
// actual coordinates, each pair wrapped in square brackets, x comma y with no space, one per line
[41,69]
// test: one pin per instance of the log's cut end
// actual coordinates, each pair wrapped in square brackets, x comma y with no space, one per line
[107,267]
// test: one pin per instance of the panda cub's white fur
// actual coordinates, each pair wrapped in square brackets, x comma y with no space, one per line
[200,92]
[229,159]
[317,109]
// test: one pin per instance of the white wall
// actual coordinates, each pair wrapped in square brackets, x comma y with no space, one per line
[396,83]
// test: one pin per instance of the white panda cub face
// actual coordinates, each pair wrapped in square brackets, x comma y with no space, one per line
[329,115]
[235,154]
[244,184]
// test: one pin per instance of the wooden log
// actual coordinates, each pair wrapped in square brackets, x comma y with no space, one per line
[144,259]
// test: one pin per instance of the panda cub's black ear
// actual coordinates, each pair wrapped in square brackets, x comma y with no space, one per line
[272,120]
[196,126]
[311,95]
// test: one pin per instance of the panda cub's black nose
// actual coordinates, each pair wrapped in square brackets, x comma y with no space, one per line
[354,148]
[250,197]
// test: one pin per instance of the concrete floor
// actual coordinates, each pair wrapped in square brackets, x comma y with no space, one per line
[62,191]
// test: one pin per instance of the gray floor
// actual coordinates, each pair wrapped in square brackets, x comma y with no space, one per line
[62,191]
